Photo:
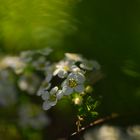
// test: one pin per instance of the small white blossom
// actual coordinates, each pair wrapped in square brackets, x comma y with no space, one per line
[48,104]
[73,57]
[13,62]
[41,63]
[54,90]
[49,72]
[90,65]
[59,94]
[46,83]
[50,98]
[74,82]
[62,69]
[45,95]
[29,82]
[44,87]
[74,68]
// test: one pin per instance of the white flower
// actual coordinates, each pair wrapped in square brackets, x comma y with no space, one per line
[41,63]
[74,68]
[51,98]
[73,57]
[62,69]
[44,87]
[29,82]
[28,56]
[49,72]
[13,62]
[46,83]
[74,82]
[59,94]
[90,65]
[48,104]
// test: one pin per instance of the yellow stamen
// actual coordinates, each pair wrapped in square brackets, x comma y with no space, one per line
[66,68]
[72,83]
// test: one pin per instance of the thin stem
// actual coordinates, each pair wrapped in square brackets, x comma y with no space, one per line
[112,116]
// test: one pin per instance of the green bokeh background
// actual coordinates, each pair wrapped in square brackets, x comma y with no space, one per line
[107,31]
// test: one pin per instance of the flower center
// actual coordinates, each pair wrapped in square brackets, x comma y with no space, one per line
[72,83]
[66,68]
[52,97]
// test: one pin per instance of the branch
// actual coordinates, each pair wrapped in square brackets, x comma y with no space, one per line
[99,121]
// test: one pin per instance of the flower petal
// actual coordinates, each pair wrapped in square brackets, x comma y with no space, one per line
[79,88]
[48,76]
[73,56]
[67,90]
[80,77]
[74,68]
[46,105]
[45,85]
[53,103]
[64,84]
[54,90]
[62,74]
[40,92]
[72,75]
[90,65]
[45,95]
[59,94]
[56,72]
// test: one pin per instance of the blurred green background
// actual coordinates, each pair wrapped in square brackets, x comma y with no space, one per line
[107,31]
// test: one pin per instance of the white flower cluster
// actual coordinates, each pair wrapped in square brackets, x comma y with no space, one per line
[29,82]
[12,62]
[64,78]
[69,75]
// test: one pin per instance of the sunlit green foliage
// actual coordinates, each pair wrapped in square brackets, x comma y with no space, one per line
[35,23]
